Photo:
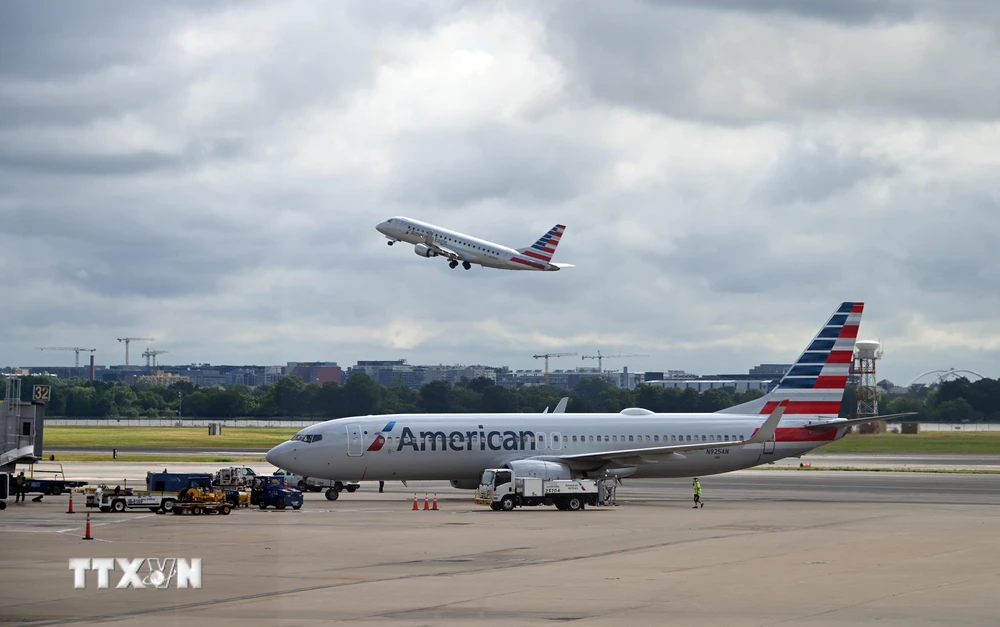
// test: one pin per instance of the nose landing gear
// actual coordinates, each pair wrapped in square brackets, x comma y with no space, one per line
[390,242]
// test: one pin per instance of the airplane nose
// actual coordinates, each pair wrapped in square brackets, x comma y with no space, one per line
[279,456]
[382,227]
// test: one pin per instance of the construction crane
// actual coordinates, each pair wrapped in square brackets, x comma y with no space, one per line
[132,339]
[546,356]
[150,354]
[600,358]
[68,348]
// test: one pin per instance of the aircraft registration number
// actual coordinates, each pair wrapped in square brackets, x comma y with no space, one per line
[717,451]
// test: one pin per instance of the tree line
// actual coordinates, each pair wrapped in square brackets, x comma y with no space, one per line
[952,401]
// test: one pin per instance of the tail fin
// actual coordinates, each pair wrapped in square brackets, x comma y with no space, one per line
[815,385]
[545,247]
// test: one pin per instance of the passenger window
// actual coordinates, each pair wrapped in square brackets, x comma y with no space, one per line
[718,438]
[656,438]
[673,438]
[703,439]
[630,439]
[607,439]
[688,438]
[614,438]
[711,438]
[647,438]
[574,438]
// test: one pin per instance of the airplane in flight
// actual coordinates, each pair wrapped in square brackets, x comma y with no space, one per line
[797,416]
[433,241]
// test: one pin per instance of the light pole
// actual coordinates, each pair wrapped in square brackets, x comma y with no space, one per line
[180,403]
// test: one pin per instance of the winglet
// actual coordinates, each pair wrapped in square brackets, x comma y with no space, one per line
[766,431]
[561,406]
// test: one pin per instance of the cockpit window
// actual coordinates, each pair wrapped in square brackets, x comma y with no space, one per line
[308,438]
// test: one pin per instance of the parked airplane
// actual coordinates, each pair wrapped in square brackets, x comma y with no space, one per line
[433,241]
[634,443]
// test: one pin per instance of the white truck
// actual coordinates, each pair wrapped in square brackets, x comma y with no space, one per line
[234,477]
[109,500]
[503,491]
[312,484]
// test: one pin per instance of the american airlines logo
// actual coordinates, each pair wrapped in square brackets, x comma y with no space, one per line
[139,573]
[457,440]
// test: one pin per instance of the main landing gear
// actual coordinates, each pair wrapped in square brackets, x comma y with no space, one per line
[466,265]
[452,264]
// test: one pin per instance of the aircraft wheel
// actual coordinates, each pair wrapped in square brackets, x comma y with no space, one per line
[332,495]
[466,265]
[390,242]
[452,264]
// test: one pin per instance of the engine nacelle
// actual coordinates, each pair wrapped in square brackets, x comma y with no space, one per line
[540,469]
[424,251]
[464,484]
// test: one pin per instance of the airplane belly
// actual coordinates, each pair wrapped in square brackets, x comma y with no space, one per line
[695,463]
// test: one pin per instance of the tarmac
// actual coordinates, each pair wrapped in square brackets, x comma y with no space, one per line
[769,548]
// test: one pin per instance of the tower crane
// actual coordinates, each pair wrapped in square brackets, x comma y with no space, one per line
[546,356]
[132,339]
[600,358]
[68,348]
[150,354]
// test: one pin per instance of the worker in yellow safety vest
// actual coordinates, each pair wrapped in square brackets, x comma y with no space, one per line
[20,487]
[697,494]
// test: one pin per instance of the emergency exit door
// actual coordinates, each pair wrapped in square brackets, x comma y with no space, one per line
[355,445]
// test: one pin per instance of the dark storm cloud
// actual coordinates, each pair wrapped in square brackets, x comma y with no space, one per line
[739,63]
[840,11]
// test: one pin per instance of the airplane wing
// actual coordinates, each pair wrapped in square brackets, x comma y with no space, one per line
[431,242]
[836,424]
[763,434]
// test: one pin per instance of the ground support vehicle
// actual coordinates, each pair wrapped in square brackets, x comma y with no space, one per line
[40,485]
[237,497]
[271,491]
[177,481]
[234,477]
[196,501]
[4,490]
[502,490]
[109,500]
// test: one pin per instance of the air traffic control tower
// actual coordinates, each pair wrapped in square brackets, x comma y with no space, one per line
[21,425]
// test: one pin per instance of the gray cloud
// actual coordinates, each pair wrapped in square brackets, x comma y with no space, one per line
[211,175]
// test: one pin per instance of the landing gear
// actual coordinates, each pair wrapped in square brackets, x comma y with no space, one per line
[452,264]
[390,242]
[466,265]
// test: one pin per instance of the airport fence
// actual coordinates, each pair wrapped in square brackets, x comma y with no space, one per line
[175,422]
[944,426]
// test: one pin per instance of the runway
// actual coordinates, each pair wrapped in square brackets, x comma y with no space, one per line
[816,549]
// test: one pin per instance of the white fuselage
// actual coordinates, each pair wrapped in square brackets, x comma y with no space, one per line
[471,249]
[461,446]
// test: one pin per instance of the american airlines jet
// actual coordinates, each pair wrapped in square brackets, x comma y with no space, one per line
[433,241]
[634,443]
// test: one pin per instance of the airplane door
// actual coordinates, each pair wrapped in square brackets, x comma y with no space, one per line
[556,441]
[355,445]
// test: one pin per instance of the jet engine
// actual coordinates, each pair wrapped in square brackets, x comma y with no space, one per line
[540,469]
[464,484]
[424,250]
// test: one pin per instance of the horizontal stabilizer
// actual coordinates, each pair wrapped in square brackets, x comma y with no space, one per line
[563,265]
[836,424]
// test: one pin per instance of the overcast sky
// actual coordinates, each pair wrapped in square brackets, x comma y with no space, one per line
[210,175]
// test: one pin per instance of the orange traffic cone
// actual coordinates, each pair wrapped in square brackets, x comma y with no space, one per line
[415,508]
[435,507]
[88,536]
[427,503]
[70,510]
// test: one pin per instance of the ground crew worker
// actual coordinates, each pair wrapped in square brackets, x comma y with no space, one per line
[381,485]
[20,488]
[697,494]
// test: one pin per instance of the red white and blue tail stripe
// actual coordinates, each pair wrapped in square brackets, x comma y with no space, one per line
[545,247]
[815,385]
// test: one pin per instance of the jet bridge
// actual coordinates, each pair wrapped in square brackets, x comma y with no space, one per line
[21,425]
